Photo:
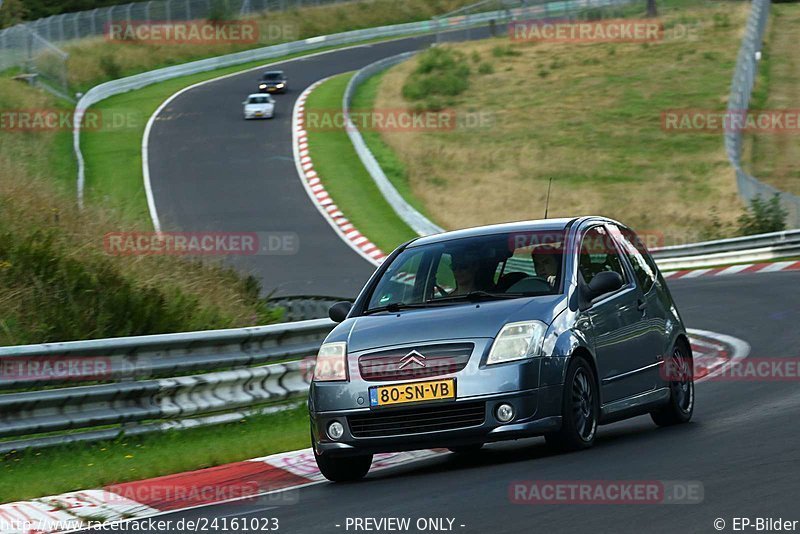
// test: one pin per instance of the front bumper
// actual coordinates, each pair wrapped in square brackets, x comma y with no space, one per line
[537,411]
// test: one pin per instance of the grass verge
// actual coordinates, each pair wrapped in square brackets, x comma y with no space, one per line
[345,178]
[75,467]
[587,115]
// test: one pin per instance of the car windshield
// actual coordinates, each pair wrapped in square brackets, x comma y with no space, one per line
[259,100]
[497,266]
[273,76]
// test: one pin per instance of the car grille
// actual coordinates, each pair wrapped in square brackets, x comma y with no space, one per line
[417,420]
[437,360]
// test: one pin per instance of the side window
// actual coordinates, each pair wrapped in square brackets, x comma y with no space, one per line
[643,267]
[598,254]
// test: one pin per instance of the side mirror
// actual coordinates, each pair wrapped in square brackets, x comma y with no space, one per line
[244,103]
[338,312]
[603,283]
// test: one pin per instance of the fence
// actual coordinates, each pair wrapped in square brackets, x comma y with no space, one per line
[82,24]
[744,78]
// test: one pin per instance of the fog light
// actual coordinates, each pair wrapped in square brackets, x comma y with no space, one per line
[335,430]
[504,413]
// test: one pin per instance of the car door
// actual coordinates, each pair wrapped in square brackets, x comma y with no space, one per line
[619,335]
[654,312]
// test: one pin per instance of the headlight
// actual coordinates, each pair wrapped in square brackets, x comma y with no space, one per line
[517,341]
[331,362]
[262,86]
[279,86]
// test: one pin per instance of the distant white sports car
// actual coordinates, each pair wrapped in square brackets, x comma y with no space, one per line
[259,106]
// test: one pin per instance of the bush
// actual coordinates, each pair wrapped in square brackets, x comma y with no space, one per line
[110,67]
[440,72]
[485,68]
[763,217]
[502,51]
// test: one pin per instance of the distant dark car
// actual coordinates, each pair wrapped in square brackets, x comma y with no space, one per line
[273,81]
[496,333]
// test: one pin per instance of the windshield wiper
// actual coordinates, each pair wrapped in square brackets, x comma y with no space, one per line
[397,306]
[474,296]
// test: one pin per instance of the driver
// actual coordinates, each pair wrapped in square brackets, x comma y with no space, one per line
[547,262]
[465,265]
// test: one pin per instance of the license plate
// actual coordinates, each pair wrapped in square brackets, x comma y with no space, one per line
[412,392]
[258,113]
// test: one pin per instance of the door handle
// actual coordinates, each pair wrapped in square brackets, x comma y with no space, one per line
[641,304]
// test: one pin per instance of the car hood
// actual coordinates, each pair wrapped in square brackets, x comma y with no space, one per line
[456,321]
[257,107]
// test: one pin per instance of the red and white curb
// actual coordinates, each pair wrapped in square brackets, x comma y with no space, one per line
[257,481]
[735,269]
[315,187]
[269,480]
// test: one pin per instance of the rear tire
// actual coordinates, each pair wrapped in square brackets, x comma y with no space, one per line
[680,407]
[580,409]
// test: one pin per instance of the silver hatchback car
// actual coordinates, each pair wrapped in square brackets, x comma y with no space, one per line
[495,333]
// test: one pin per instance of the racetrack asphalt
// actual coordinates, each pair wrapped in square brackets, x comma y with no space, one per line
[212,171]
[741,445]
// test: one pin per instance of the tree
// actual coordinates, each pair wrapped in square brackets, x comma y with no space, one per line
[652,10]
[11,12]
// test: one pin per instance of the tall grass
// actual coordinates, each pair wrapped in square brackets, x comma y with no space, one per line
[56,281]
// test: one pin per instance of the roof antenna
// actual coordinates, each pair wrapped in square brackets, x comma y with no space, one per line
[547,202]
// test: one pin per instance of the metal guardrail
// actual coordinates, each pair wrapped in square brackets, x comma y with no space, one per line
[746,249]
[123,388]
[413,218]
[744,78]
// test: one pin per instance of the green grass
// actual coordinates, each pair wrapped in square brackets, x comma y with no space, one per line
[393,167]
[346,179]
[83,466]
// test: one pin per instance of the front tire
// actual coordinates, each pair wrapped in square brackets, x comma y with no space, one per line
[343,468]
[580,409]
[467,450]
[680,407]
